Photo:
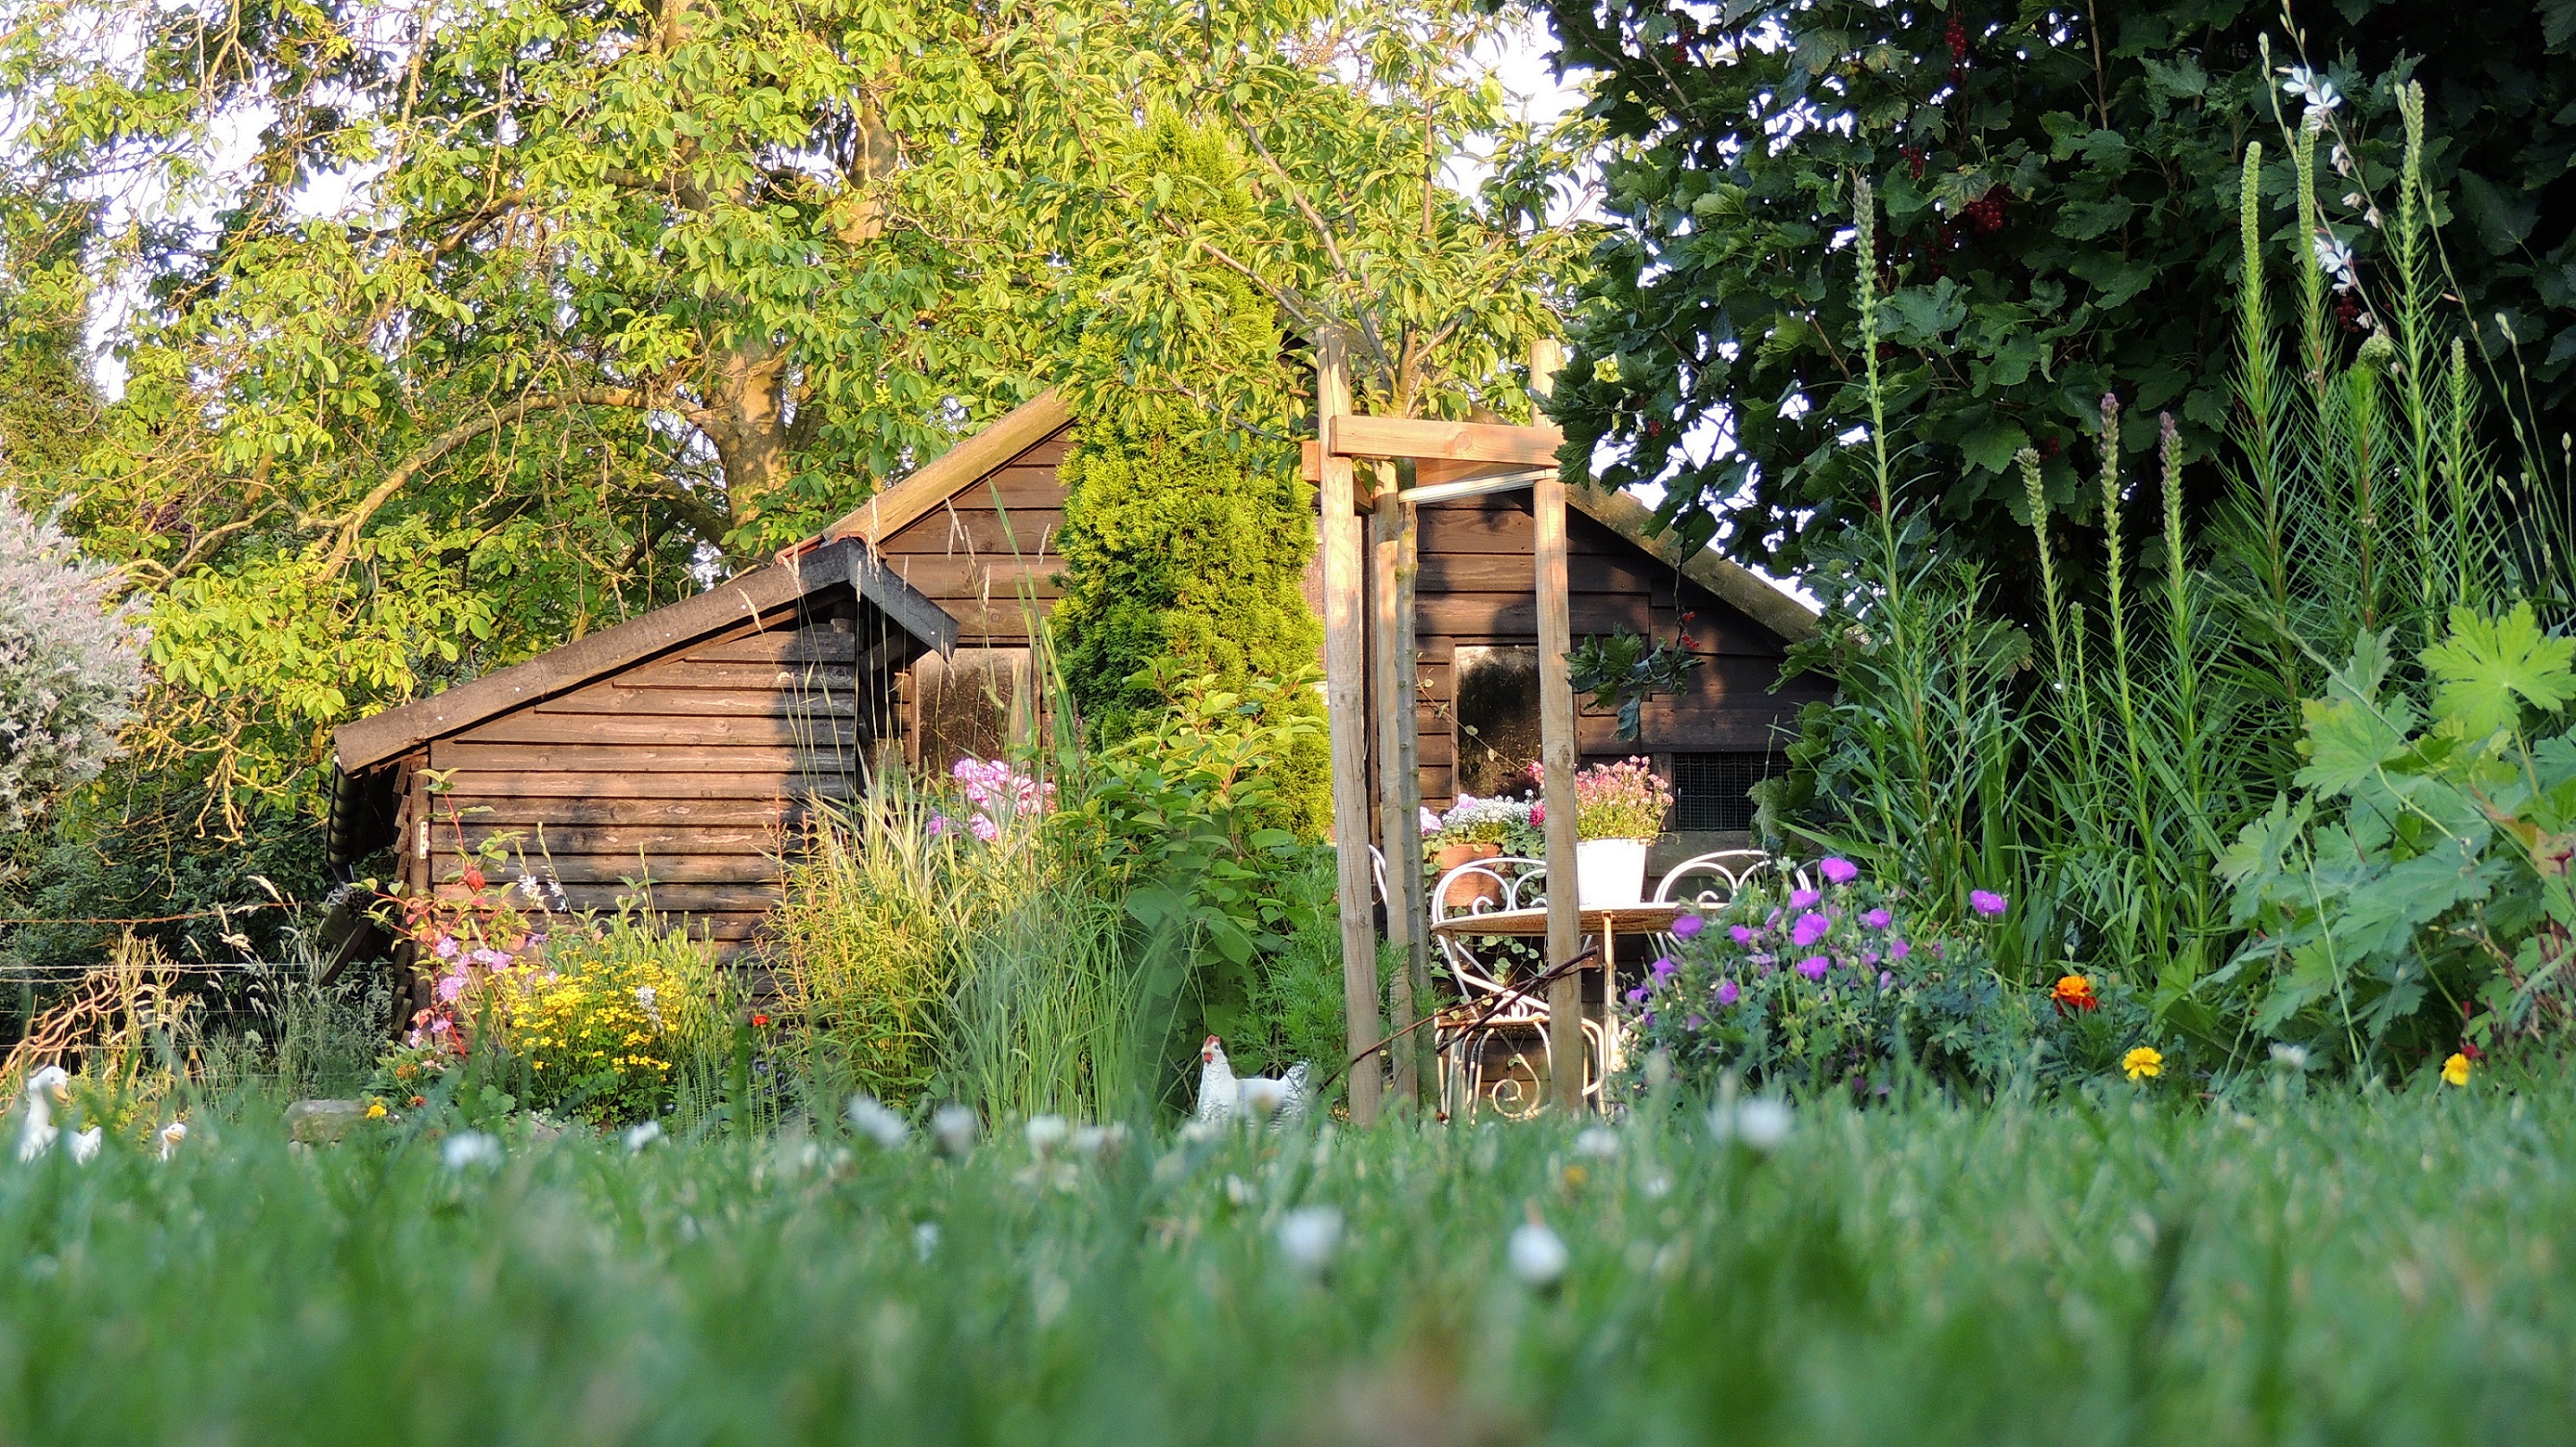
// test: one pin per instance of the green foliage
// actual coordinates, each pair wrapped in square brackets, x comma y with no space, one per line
[1184,561]
[443,344]
[1191,819]
[2057,184]
[2421,874]
[2162,718]
[1622,671]
[1293,1008]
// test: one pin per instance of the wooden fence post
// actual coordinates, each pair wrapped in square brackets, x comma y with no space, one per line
[1557,750]
[1345,706]
[1400,782]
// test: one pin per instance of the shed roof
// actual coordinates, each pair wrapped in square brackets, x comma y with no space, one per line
[371,741]
[971,461]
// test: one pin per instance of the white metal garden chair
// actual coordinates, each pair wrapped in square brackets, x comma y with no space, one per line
[1490,1006]
[1709,882]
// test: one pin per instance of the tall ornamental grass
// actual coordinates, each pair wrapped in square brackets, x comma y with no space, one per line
[917,958]
[2094,765]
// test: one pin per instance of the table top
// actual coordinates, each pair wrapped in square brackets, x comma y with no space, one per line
[1620,919]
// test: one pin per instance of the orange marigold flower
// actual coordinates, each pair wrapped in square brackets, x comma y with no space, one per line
[2074,992]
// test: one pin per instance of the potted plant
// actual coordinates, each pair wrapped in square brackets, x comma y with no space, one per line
[1619,809]
[1475,829]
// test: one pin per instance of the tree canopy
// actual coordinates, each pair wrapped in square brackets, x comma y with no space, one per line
[2057,202]
[449,335]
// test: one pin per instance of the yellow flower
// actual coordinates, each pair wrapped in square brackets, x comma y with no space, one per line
[2143,1063]
[2455,1070]
[375,1110]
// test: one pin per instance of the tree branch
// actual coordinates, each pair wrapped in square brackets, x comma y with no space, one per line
[457,436]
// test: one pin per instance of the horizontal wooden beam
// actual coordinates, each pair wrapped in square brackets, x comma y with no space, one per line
[1420,438]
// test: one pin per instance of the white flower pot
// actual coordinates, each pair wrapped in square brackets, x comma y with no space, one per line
[1610,872]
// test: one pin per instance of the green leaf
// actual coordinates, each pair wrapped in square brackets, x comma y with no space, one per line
[1994,445]
[2489,667]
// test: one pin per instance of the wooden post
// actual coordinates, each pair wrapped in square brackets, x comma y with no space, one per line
[1557,747]
[1345,705]
[1400,781]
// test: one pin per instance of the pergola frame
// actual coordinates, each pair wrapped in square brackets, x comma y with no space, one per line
[1451,459]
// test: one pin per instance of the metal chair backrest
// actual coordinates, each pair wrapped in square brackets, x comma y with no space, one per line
[1710,881]
[1484,886]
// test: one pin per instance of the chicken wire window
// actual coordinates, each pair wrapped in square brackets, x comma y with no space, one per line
[1713,792]
[973,704]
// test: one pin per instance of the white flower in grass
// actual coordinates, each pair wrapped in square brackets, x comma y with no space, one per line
[1046,1132]
[1598,1142]
[1309,1235]
[1762,1124]
[877,1123]
[471,1148]
[638,1137]
[2290,1057]
[925,1239]
[1538,1256]
[954,1128]
[1091,1141]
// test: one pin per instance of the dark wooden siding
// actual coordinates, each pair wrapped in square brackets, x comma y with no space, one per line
[993,545]
[677,784]
[1476,589]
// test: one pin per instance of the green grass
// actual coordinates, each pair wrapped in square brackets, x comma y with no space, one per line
[2351,1269]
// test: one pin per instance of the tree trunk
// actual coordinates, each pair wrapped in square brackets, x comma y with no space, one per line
[744,417]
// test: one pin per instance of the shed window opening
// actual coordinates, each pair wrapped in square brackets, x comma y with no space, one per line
[1714,792]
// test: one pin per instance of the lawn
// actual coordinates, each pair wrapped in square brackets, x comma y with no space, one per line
[2341,1267]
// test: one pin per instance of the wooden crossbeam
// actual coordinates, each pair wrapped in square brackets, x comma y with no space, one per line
[1395,437]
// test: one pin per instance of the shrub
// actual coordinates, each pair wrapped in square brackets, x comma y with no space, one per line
[605,1023]
[1841,986]
[71,663]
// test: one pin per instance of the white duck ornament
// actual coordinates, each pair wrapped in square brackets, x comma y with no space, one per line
[46,1089]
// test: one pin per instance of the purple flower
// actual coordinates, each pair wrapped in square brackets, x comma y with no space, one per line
[1694,1022]
[1662,970]
[1637,996]
[1885,979]
[1837,871]
[1810,928]
[1741,934]
[1727,993]
[1805,898]
[1814,966]
[1986,902]
[1878,919]
[1868,957]
[1688,927]
[450,986]
[1899,950]
[447,947]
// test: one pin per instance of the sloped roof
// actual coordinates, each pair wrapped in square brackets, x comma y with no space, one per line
[371,741]
[952,472]
[1034,421]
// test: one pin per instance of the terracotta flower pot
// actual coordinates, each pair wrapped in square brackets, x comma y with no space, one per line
[1475,889]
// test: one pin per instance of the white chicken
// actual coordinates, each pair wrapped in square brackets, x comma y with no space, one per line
[47,1088]
[171,1134]
[1280,1099]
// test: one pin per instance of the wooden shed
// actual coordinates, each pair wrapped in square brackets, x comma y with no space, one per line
[668,757]
[976,533]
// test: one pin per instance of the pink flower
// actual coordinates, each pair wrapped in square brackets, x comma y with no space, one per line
[1837,871]
[983,827]
[1899,950]
[1809,929]
[450,986]
[1740,934]
[1986,902]
[1727,993]
[1878,919]
[1814,966]
[1805,898]
[447,947]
